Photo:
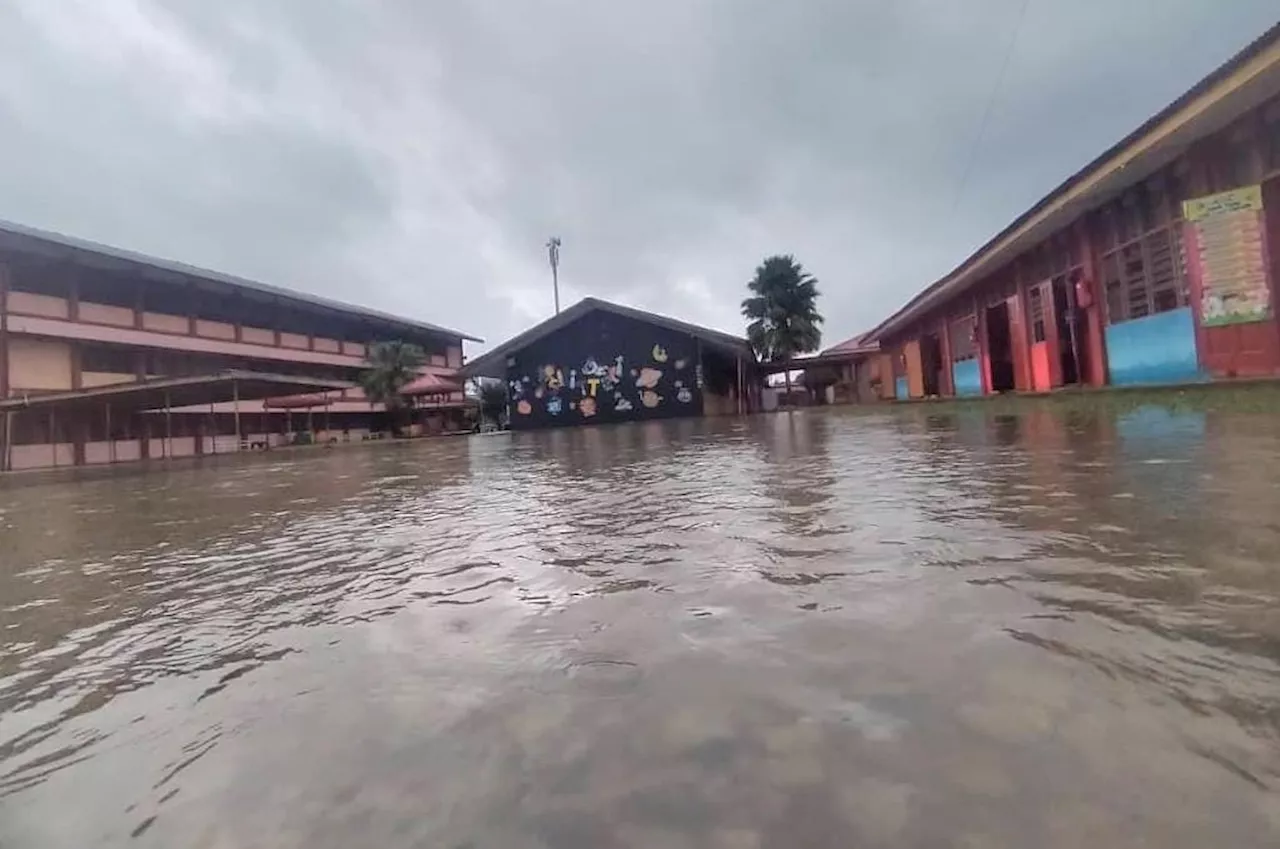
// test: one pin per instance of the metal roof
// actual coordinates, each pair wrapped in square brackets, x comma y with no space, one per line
[1125,163]
[177,392]
[493,363]
[19,237]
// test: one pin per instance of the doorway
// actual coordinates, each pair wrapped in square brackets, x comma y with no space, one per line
[1000,348]
[931,364]
[1071,332]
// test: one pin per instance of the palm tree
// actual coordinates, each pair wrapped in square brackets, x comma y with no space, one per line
[783,311]
[389,367]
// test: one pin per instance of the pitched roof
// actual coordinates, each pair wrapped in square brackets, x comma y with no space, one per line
[861,342]
[19,237]
[430,384]
[493,363]
[1244,81]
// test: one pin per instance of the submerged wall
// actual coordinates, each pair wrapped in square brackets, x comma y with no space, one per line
[1156,349]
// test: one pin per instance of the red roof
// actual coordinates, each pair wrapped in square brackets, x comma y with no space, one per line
[853,344]
[430,384]
[297,402]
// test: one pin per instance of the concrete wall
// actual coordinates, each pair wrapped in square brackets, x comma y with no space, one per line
[967,377]
[1159,348]
[106,314]
[257,336]
[32,304]
[163,323]
[215,329]
[39,364]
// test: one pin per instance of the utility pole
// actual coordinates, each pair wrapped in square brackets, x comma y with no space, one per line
[553,254]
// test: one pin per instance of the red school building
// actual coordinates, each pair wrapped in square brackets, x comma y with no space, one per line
[1159,262]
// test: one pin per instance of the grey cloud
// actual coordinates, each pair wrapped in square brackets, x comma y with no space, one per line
[415,156]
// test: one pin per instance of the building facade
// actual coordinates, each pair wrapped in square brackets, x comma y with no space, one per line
[1157,263]
[85,329]
[598,362]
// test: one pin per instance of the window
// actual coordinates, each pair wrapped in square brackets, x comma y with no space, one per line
[963,343]
[1144,273]
[1035,300]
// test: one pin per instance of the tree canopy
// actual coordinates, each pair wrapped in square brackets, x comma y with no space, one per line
[782,310]
[389,367]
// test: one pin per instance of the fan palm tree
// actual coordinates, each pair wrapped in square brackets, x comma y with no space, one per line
[389,367]
[783,311]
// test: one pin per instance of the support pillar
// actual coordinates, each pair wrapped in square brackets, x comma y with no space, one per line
[4,330]
[111,440]
[5,464]
[53,437]
[946,380]
[168,428]
[738,362]
[235,396]
[1094,344]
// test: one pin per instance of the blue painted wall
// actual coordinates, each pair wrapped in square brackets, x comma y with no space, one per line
[968,377]
[1156,349]
[900,389]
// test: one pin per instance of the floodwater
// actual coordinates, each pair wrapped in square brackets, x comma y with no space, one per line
[921,628]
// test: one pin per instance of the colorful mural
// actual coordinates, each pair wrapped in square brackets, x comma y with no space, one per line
[604,367]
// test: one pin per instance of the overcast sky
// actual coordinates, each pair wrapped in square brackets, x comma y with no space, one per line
[415,155]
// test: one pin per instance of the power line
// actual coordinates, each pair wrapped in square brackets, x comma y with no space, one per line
[986,112]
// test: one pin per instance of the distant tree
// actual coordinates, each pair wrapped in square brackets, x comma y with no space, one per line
[492,395]
[783,312]
[389,367]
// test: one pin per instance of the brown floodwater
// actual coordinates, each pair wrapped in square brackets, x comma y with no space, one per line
[921,628]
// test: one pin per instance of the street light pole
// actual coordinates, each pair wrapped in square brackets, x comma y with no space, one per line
[553,254]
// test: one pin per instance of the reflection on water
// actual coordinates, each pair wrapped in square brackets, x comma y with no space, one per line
[918,628]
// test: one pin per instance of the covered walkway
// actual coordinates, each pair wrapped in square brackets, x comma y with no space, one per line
[72,420]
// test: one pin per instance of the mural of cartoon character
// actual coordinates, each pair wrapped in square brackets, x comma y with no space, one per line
[659,354]
[587,406]
[649,377]
[650,398]
[621,403]
[552,377]
[684,396]
[554,405]
[524,408]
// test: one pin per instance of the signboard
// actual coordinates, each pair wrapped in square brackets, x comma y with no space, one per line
[1228,252]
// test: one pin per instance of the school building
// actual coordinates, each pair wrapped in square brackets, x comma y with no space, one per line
[599,362]
[109,356]
[1156,263]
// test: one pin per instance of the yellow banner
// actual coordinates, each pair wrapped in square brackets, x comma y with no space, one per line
[1247,199]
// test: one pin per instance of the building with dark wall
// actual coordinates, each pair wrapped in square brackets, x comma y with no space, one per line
[598,362]
[1159,262]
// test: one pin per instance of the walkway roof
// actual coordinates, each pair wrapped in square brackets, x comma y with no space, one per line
[494,363]
[1245,81]
[175,392]
[18,237]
